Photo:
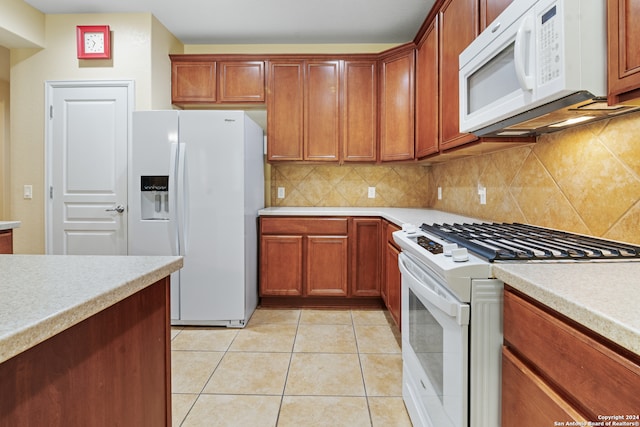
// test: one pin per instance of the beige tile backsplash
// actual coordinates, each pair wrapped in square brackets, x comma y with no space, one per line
[347,185]
[585,180]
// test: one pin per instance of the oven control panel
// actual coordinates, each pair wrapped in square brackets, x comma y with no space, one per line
[430,245]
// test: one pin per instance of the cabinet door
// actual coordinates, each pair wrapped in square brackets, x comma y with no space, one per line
[6,242]
[458,21]
[360,111]
[527,401]
[622,49]
[241,81]
[193,81]
[397,107]
[490,9]
[326,263]
[322,111]
[285,102]
[393,280]
[427,116]
[281,265]
[365,256]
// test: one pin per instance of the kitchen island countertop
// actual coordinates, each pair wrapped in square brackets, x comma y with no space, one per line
[602,296]
[42,295]
[9,225]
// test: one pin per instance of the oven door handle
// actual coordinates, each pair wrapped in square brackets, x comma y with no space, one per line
[428,290]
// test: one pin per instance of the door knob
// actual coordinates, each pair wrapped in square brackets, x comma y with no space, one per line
[118,209]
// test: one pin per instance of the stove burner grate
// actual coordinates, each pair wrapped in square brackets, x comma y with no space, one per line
[509,242]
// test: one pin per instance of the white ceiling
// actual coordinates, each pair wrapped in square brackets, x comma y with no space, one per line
[268,21]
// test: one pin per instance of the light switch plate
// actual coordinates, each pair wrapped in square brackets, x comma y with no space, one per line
[28,191]
[371,192]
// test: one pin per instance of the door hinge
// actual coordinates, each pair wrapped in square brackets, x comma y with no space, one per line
[51,191]
[51,111]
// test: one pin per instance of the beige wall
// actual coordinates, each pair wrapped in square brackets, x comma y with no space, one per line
[585,180]
[4,132]
[21,26]
[139,53]
[287,48]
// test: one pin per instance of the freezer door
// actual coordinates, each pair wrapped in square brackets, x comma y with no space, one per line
[152,222]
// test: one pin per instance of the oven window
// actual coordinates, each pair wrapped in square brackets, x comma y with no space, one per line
[426,337]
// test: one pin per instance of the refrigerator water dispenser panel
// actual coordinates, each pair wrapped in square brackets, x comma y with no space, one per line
[154,194]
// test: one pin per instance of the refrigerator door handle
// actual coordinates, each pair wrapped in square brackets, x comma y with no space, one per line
[182,199]
[173,197]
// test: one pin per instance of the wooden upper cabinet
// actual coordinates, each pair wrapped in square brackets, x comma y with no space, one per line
[490,9]
[623,40]
[458,21]
[360,111]
[397,105]
[193,81]
[285,103]
[241,81]
[322,111]
[208,79]
[427,115]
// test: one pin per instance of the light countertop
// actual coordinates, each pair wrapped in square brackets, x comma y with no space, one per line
[602,296]
[398,216]
[42,295]
[8,225]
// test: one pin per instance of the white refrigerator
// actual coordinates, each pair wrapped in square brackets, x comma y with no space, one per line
[197,183]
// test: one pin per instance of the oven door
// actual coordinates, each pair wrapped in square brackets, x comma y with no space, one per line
[435,348]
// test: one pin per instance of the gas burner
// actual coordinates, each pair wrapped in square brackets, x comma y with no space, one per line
[512,242]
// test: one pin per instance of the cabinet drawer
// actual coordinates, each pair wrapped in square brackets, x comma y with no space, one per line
[288,225]
[599,379]
[527,401]
[391,228]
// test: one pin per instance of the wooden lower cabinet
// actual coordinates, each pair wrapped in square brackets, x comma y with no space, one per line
[554,370]
[281,265]
[391,276]
[113,368]
[326,263]
[366,265]
[6,241]
[320,261]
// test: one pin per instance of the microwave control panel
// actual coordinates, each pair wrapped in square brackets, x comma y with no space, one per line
[549,46]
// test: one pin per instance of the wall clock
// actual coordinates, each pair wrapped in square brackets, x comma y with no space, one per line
[94,41]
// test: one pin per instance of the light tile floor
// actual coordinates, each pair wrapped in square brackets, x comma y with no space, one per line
[290,368]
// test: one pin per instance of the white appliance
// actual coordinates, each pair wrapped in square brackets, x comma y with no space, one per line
[451,337]
[452,311]
[539,67]
[197,183]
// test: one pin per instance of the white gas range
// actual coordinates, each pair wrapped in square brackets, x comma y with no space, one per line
[452,311]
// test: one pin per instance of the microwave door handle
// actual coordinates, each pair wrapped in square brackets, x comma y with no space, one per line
[522,47]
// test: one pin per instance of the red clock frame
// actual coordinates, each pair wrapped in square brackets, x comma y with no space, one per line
[80,32]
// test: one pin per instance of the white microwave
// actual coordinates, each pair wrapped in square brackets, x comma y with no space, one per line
[539,66]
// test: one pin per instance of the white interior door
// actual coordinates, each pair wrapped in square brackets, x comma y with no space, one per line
[87,140]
